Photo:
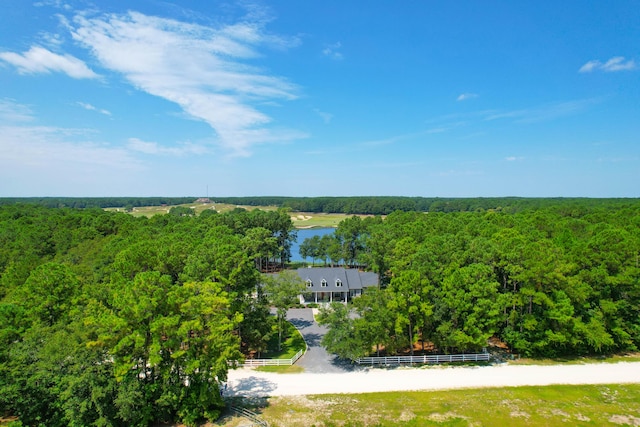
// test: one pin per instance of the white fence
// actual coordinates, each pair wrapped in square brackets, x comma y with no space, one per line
[272,362]
[436,358]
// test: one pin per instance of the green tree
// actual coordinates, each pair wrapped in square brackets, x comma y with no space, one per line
[410,303]
[468,308]
[283,290]
[47,294]
[342,338]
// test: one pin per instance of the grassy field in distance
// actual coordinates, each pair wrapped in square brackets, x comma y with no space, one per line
[300,219]
[531,406]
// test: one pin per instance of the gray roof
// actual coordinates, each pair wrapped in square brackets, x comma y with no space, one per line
[349,278]
[368,279]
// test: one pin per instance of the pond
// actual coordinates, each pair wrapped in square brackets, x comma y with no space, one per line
[305,233]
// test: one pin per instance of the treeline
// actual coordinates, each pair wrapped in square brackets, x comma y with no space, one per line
[358,205]
[97,202]
[545,282]
[109,319]
[384,205]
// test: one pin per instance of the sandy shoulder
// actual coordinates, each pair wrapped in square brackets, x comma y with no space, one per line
[247,382]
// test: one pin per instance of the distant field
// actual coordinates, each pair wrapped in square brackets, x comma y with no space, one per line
[300,219]
[150,211]
[601,405]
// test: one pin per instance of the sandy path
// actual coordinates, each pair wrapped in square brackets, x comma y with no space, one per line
[247,382]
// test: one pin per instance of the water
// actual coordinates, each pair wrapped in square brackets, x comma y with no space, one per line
[305,233]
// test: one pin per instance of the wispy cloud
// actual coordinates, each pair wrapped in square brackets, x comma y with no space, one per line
[466,96]
[543,113]
[617,63]
[40,60]
[200,68]
[23,144]
[514,158]
[13,112]
[44,146]
[333,51]
[403,137]
[154,148]
[92,108]
[326,117]
[56,3]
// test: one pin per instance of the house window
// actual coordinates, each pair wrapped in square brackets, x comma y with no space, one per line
[338,283]
[309,283]
[323,283]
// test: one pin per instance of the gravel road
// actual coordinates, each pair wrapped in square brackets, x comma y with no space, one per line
[325,375]
[247,382]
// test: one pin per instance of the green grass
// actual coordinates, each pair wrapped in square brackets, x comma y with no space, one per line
[578,360]
[597,405]
[291,344]
[299,219]
[316,220]
[287,369]
[290,347]
[150,211]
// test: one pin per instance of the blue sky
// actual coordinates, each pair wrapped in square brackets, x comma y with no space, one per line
[302,98]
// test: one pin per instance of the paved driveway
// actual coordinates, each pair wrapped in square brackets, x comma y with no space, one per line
[316,359]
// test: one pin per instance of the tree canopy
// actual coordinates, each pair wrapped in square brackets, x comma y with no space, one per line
[107,319]
[110,320]
[546,282]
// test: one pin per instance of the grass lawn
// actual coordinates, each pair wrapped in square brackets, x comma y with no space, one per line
[578,360]
[316,220]
[290,347]
[287,369]
[150,211]
[291,344]
[299,219]
[599,405]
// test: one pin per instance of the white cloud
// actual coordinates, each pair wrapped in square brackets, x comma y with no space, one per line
[617,63]
[12,112]
[543,113]
[403,137]
[55,3]
[40,60]
[513,158]
[92,108]
[40,151]
[466,96]
[333,51]
[51,147]
[200,68]
[326,117]
[154,148]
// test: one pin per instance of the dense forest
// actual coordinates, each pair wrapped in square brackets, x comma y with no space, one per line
[97,202]
[384,205]
[364,205]
[108,319]
[111,320]
[563,280]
